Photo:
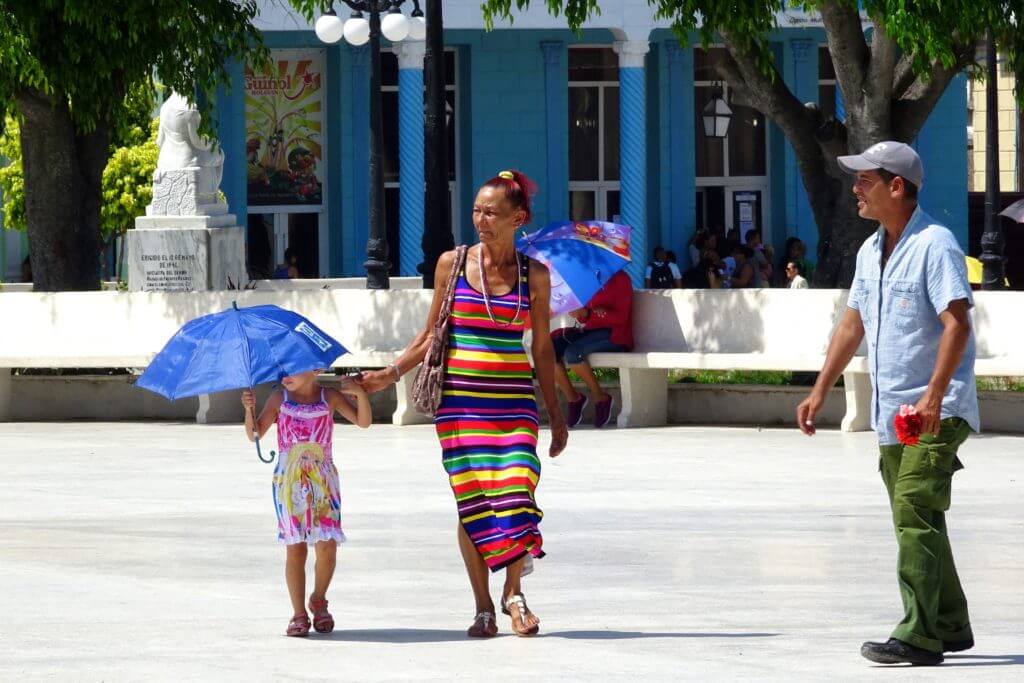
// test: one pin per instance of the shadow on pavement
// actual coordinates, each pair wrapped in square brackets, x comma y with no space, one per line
[984,660]
[629,635]
[394,635]
[970,660]
[428,635]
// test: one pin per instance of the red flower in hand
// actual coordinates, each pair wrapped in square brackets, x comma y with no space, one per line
[908,426]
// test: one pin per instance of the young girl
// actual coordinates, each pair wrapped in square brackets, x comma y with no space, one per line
[306,491]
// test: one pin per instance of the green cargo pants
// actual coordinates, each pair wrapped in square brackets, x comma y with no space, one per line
[918,479]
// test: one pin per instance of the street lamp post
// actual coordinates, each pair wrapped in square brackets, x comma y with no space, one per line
[437,232]
[358,31]
[992,239]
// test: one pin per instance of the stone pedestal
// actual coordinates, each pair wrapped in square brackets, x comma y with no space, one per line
[185,192]
[184,253]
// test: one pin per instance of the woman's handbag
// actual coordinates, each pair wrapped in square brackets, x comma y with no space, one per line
[426,388]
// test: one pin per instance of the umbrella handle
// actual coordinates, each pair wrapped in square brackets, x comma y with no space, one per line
[259,454]
[259,451]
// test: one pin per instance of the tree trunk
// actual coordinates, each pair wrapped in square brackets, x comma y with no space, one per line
[841,232]
[63,190]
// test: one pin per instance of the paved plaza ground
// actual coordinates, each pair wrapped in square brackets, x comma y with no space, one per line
[147,551]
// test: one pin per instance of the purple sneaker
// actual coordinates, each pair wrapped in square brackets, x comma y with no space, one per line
[575,410]
[603,412]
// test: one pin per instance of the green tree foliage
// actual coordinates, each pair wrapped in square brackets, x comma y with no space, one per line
[127,178]
[12,178]
[71,72]
[891,76]
[128,184]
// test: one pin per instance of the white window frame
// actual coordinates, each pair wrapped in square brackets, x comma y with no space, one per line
[600,188]
[826,81]
[732,184]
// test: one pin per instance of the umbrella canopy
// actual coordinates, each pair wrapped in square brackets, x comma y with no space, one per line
[238,348]
[1014,211]
[581,256]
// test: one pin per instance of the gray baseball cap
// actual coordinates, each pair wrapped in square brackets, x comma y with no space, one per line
[895,157]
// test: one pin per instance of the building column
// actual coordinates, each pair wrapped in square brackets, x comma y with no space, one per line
[633,149]
[942,146]
[802,78]
[682,137]
[556,102]
[360,81]
[410,156]
[231,134]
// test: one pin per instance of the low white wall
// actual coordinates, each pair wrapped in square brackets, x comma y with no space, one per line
[114,398]
[37,398]
[305,284]
[126,329]
[123,329]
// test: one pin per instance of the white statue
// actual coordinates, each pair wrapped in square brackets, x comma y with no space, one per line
[181,147]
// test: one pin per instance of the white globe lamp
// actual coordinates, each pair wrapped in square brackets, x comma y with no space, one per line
[394,26]
[357,31]
[417,28]
[329,28]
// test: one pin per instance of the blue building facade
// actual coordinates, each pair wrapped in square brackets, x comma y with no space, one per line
[606,122]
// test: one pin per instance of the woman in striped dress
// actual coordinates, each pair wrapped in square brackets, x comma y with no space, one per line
[487,421]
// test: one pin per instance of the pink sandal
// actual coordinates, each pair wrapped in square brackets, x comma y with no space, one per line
[298,627]
[323,622]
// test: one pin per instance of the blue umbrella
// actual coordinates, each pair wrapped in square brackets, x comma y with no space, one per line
[581,257]
[238,348]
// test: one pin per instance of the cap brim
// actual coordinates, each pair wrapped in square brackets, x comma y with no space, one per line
[856,162]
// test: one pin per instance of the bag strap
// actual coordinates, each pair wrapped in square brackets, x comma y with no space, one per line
[449,292]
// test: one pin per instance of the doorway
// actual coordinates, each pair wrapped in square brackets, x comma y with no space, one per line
[722,207]
[271,234]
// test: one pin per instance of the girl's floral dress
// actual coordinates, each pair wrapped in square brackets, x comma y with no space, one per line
[307,495]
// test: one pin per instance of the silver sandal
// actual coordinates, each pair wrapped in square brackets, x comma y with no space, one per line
[519,600]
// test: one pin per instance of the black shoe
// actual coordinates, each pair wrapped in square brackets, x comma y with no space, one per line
[957,645]
[897,652]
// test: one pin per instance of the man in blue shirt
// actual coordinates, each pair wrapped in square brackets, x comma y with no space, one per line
[910,299]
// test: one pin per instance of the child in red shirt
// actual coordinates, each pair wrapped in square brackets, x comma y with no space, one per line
[604,325]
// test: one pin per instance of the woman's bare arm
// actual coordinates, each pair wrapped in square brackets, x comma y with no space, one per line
[416,350]
[544,353]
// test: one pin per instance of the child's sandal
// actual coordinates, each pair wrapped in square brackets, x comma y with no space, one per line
[298,627]
[323,622]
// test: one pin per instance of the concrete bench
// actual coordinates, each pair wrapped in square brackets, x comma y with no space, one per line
[769,329]
[681,329]
[125,330]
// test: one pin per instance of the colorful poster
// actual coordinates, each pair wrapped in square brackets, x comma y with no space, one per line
[284,130]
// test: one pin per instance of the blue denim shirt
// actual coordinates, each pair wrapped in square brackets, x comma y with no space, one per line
[900,310]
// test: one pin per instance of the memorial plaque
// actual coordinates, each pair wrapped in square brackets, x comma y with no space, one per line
[184,260]
[168,260]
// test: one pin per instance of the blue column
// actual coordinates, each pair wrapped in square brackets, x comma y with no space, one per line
[231,133]
[801,75]
[681,141]
[556,102]
[360,66]
[410,153]
[942,146]
[633,149]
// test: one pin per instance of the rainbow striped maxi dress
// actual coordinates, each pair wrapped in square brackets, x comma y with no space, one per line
[487,424]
